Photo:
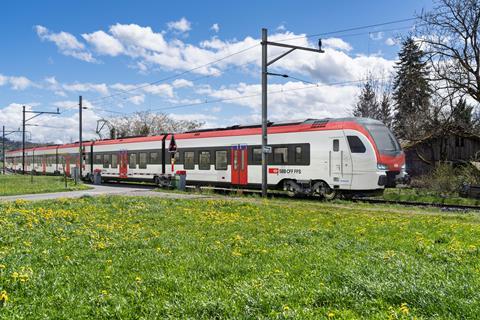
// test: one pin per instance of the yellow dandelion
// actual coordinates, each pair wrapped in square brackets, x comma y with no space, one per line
[330,315]
[3,296]
[104,292]
[138,279]
[404,308]
[2,266]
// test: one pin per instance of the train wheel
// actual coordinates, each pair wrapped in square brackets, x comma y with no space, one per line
[324,191]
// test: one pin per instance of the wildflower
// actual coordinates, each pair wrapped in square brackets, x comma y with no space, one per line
[3,296]
[286,308]
[2,266]
[138,279]
[15,275]
[404,308]
[330,315]
[103,292]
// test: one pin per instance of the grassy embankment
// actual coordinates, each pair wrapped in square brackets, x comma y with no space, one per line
[428,196]
[22,184]
[150,258]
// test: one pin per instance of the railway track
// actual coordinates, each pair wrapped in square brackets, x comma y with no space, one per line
[281,194]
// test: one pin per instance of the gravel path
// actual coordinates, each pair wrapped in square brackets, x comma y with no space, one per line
[108,189]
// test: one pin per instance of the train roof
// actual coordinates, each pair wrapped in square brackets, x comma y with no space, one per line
[215,132]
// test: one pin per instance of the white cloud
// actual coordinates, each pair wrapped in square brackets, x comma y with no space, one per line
[336,43]
[104,43]
[281,28]
[390,42]
[101,88]
[181,83]
[16,83]
[182,25]
[19,83]
[66,43]
[137,99]
[163,90]
[284,103]
[215,27]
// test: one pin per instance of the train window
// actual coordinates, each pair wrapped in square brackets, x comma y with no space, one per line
[142,163]
[298,154]
[98,159]
[280,155]
[204,160]
[189,160]
[221,161]
[336,145]
[356,145]
[106,160]
[114,161]
[257,155]
[154,159]
[132,161]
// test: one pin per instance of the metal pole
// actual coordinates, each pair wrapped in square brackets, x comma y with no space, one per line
[3,148]
[23,142]
[264,113]
[80,154]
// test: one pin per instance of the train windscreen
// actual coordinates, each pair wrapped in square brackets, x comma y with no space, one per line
[384,139]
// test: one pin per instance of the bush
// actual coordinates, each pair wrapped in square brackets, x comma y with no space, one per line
[447,179]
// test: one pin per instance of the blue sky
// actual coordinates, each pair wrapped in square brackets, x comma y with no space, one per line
[53,51]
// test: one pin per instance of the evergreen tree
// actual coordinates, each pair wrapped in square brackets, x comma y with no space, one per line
[385,111]
[462,117]
[367,104]
[411,92]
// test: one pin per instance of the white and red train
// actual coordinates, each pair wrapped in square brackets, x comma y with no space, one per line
[317,157]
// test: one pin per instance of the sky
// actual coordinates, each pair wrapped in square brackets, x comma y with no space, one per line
[193,60]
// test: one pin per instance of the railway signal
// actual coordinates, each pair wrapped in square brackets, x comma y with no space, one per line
[265,64]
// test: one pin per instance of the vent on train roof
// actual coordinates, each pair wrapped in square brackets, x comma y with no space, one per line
[320,123]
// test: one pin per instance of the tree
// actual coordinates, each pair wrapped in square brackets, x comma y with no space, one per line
[148,123]
[385,110]
[367,104]
[450,36]
[411,92]
[462,117]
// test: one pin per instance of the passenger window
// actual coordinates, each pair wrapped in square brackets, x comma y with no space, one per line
[257,155]
[132,161]
[298,154]
[98,159]
[114,161]
[204,160]
[280,155]
[221,162]
[356,145]
[106,160]
[154,158]
[336,145]
[189,160]
[142,163]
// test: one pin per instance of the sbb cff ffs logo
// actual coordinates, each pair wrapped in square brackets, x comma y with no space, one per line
[278,171]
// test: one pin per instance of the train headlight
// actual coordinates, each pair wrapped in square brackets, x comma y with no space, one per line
[381,166]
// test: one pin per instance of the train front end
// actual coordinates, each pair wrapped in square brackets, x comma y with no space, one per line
[390,156]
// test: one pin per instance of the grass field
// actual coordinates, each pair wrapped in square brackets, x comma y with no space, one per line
[150,258]
[19,184]
[428,196]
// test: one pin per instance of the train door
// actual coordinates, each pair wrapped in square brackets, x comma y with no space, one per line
[340,162]
[239,165]
[44,165]
[123,170]
[67,165]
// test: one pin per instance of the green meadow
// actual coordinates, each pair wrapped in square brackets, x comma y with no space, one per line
[153,258]
[27,184]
